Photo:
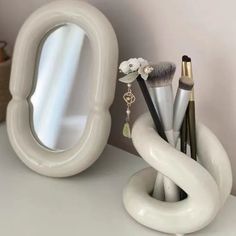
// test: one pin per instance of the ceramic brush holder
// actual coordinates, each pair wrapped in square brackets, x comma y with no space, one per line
[207,182]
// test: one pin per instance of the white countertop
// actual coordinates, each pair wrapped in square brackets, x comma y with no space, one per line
[86,205]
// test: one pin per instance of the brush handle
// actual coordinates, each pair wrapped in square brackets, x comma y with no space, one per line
[158,190]
[163,97]
[151,92]
[171,190]
[183,145]
[183,135]
[151,108]
[172,193]
[168,133]
[170,137]
[192,129]
[189,128]
[180,107]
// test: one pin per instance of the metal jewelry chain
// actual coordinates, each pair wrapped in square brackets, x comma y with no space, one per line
[129,98]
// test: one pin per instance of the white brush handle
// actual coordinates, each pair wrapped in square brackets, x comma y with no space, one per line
[168,132]
[172,193]
[164,188]
[163,100]
[170,137]
[158,190]
[180,106]
[152,94]
[171,189]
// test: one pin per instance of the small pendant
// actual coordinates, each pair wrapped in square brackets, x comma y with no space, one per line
[126,130]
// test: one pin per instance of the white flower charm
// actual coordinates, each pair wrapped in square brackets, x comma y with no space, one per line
[134,67]
[124,67]
[144,71]
[143,62]
[133,64]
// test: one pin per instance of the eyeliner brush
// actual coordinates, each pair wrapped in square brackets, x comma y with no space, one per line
[187,72]
[190,114]
[184,135]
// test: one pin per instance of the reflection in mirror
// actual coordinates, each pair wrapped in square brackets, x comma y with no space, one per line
[60,98]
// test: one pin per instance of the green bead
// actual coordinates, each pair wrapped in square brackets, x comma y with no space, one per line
[126,130]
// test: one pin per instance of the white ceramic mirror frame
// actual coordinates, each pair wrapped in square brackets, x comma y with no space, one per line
[105,52]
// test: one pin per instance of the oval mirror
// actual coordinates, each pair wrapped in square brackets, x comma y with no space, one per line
[60,97]
[62,84]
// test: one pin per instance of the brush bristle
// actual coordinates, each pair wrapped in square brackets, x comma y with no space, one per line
[185,58]
[162,74]
[186,83]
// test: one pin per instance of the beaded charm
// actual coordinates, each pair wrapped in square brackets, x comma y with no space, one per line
[132,68]
[129,98]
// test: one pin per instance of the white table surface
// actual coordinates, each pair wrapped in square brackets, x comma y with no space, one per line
[85,205]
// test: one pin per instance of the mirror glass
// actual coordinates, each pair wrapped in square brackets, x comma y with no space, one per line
[60,97]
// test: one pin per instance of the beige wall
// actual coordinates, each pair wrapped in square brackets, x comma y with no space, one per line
[164,30]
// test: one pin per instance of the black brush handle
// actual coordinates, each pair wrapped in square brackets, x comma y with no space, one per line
[192,129]
[151,108]
[188,130]
[183,135]
[183,146]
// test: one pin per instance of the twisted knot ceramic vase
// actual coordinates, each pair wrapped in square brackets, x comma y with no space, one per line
[207,182]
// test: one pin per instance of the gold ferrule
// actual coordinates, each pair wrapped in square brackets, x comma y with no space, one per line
[191,95]
[184,69]
[187,69]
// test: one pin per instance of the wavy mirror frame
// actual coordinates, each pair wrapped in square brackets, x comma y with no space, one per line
[105,52]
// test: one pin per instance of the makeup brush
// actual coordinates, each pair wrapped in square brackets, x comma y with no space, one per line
[151,108]
[185,71]
[158,188]
[160,82]
[190,114]
[181,103]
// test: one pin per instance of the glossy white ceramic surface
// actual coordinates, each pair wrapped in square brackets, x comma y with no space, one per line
[105,52]
[208,185]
